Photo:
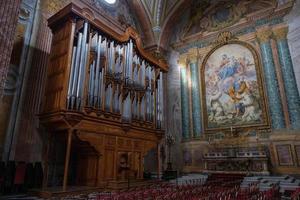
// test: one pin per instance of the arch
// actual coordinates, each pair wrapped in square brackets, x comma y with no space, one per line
[144,22]
[170,21]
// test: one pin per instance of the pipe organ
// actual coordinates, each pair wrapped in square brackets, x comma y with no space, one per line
[119,79]
[105,90]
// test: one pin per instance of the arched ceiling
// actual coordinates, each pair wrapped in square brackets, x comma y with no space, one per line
[158,18]
[154,16]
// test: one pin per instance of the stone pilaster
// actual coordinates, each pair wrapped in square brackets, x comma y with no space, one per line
[185,110]
[9,12]
[290,85]
[196,103]
[275,104]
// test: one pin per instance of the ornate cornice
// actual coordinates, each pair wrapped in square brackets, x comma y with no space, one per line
[224,38]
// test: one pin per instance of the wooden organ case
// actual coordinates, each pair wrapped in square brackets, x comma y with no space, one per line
[104,91]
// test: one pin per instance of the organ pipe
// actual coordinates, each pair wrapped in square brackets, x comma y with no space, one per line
[119,79]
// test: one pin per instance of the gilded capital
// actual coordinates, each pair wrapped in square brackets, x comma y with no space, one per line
[263,36]
[182,61]
[280,33]
[193,59]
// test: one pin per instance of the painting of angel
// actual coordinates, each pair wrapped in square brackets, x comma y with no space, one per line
[232,93]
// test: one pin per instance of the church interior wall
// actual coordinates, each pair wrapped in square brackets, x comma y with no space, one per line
[293,20]
[23,139]
[198,44]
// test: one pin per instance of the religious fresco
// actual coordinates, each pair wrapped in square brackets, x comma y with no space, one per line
[213,15]
[232,88]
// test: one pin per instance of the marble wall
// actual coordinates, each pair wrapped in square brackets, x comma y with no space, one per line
[288,117]
[173,107]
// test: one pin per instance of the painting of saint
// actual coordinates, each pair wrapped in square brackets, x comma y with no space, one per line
[232,93]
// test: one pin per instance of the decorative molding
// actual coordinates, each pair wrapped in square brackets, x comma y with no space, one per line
[224,38]
[264,35]
[280,33]
[53,6]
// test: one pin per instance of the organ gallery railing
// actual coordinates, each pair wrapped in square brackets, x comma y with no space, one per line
[106,73]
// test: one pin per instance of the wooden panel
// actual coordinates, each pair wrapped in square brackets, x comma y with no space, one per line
[110,141]
[87,170]
[58,69]
[112,150]
[109,157]
[136,164]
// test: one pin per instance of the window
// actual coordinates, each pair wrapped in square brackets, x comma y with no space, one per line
[110,1]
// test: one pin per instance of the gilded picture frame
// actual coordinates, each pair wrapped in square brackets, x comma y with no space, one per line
[263,121]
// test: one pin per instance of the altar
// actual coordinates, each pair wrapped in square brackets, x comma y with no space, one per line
[244,161]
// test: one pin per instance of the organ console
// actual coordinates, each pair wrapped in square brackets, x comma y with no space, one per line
[103,90]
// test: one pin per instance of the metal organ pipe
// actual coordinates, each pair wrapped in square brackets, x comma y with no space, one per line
[130,60]
[142,116]
[142,74]
[81,75]
[92,73]
[126,64]
[96,88]
[159,101]
[128,76]
[91,83]
[102,71]
[71,77]
[76,71]
[111,57]
[108,97]
[161,98]
[116,100]
[123,66]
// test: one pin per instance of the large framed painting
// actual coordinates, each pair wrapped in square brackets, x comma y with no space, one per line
[232,89]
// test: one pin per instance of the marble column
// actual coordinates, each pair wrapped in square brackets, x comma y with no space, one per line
[196,103]
[185,110]
[288,75]
[275,104]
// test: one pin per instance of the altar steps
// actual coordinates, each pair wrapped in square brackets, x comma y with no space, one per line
[286,183]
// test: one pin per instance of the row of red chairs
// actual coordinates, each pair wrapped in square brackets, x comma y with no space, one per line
[193,192]
[296,194]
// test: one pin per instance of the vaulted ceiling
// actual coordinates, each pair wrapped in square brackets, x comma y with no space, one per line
[155,18]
